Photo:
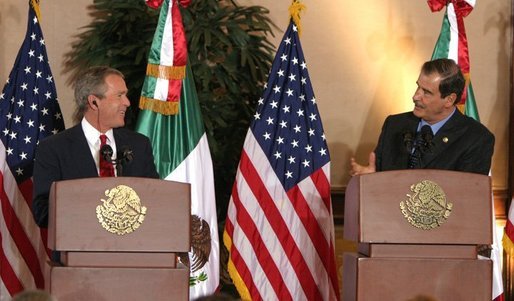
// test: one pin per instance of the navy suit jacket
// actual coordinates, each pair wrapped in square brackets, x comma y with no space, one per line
[462,144]
[66,156]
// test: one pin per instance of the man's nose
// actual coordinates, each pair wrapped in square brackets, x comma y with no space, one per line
[417,95]
[126,101]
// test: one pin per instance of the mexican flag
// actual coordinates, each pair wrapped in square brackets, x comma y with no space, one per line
[453,44]
[181,154]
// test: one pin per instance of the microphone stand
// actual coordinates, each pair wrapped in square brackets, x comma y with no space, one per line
[124,156]
[119,167]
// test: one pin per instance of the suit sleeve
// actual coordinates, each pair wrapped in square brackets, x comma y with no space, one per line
[379,150]
[46,171]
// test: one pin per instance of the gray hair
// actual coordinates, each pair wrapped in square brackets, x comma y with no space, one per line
[91,82]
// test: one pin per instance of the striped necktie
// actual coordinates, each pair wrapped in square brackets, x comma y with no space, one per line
[421,143]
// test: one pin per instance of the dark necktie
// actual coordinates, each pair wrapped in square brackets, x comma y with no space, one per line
[106,167]
[421,143]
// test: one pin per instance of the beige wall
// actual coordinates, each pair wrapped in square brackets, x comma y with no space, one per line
[363,58]
[61,20]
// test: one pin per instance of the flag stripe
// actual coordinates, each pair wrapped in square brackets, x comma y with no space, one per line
[278,225]
[453,42]
[161,88]
[181,153]
[281,201]
[179,37]
[265,233]
[154,55]
[14,259]
[202,189]
[453,39]
[238,265]
[273,275]
[29,112]
[310,223]
[173,90]
[167,50]
[323,184]
[296,227]
[241,275]
[20,238]
[277,222]
[9,278]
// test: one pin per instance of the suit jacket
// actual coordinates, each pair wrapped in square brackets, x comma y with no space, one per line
[66,156]
[462,144]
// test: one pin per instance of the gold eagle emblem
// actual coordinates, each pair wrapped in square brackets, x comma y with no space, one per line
[427,208]
[122,212]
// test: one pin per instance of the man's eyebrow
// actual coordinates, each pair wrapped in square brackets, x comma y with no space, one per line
[424,89]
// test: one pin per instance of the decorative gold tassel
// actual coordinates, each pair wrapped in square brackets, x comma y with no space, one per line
[294,10]
[159,106]
[166,72]
[508,246]
[462,106]
[234,274]
[35,6]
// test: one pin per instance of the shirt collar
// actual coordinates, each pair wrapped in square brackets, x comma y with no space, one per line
[93,135]
[436,126]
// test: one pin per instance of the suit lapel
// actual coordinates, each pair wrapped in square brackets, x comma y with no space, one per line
[410,126]
[86,164]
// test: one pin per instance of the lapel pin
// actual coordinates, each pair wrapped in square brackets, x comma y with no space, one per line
[445,139]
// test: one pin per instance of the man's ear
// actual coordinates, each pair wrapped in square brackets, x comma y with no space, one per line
[92,101]
[450,99]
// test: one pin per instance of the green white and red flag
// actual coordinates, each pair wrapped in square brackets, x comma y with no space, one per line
[453,44]
[180,148]
[181,154]
[166,60]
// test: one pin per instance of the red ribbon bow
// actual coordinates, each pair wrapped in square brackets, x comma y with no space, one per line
[462,8]
[156,3]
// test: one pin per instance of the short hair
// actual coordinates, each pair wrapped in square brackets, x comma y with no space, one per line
[452,80]
[91,82]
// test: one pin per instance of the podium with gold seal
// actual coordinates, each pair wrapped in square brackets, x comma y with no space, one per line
[417,233]
[119,239]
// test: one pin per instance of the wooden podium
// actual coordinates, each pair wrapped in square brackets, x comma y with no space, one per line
[417,233]
[118,239]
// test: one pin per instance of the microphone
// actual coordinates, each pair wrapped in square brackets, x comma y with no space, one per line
[125,155]
[408,139]
[426,138]
[106,152]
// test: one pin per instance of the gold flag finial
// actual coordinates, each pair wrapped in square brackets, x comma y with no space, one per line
[294,10]
[35,6]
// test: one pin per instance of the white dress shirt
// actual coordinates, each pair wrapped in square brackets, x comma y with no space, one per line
[93,140]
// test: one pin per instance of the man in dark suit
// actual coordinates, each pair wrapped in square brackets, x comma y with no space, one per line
[450,141]
[101,100]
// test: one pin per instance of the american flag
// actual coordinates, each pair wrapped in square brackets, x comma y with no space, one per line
[28,112]
[279,229]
